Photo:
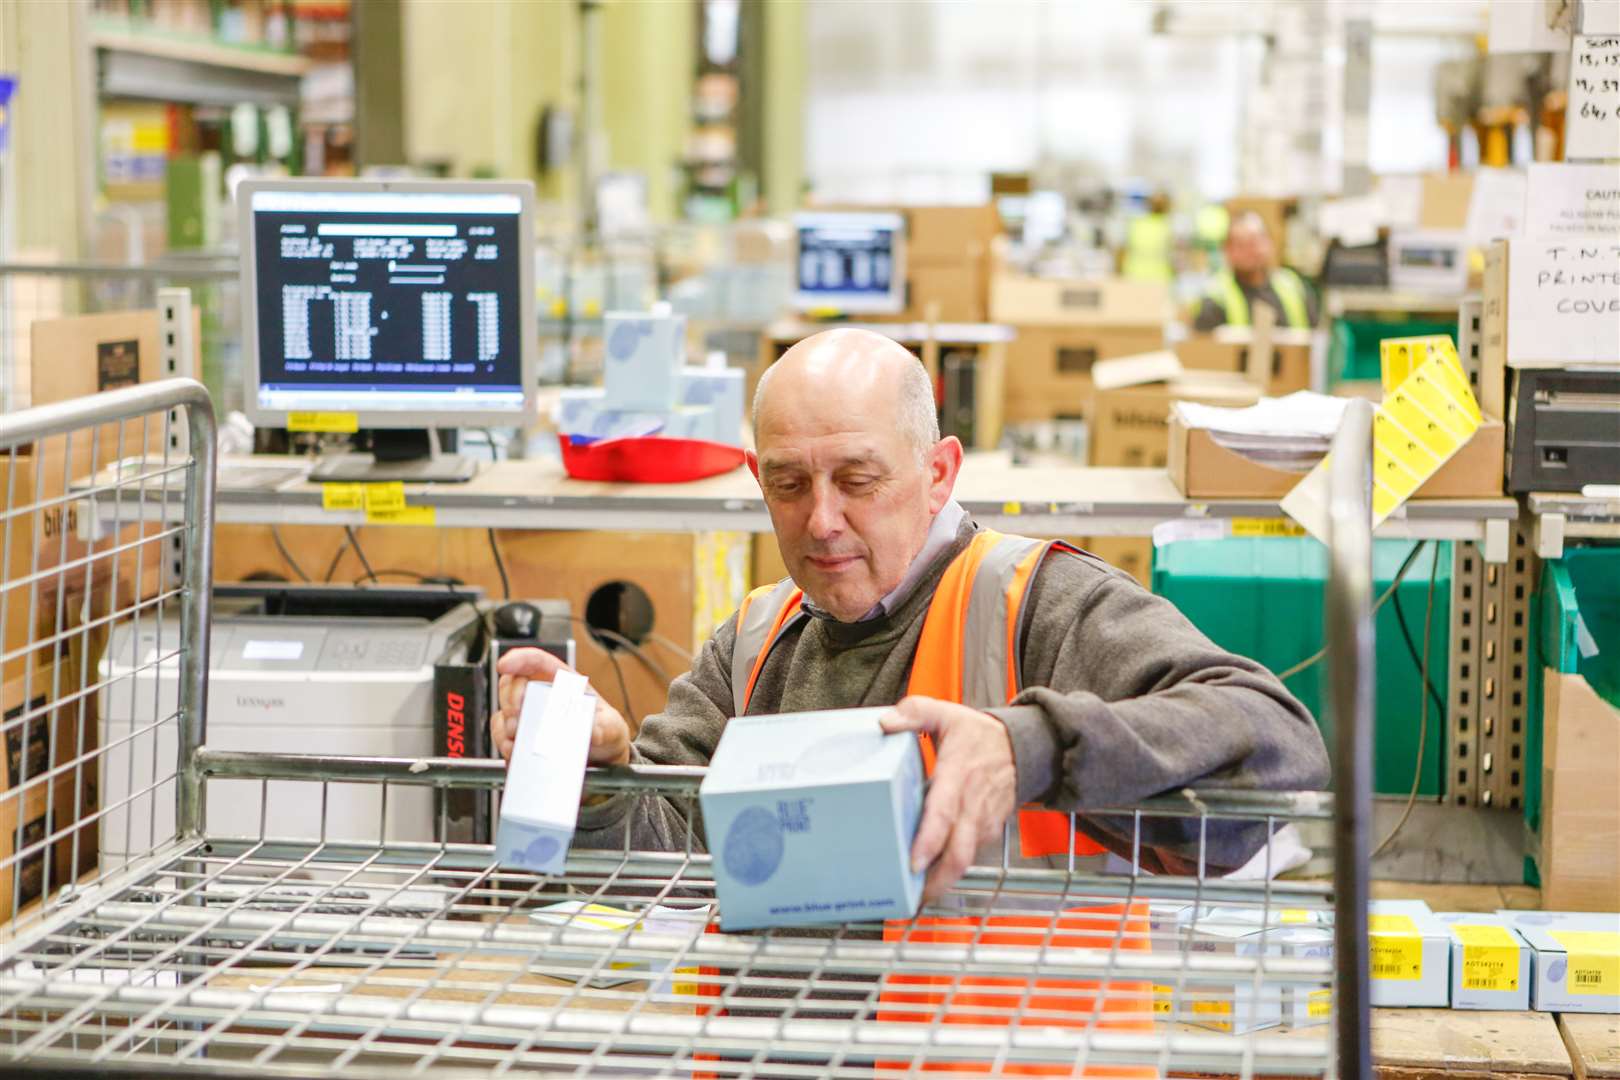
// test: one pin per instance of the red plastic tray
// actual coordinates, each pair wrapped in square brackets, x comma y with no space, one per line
[647,459]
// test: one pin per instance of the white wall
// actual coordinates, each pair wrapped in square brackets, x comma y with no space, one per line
[921,99]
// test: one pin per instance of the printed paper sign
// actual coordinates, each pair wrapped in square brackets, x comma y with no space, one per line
[1572,200]
[1592,124]
[1564,301]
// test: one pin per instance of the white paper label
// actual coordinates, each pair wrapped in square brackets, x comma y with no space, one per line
[1564,301]
[1496,207]
[1593,120]
[1572,200]
[272,650]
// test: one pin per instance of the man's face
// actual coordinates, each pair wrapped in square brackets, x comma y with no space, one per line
[850,502]
[1248,250]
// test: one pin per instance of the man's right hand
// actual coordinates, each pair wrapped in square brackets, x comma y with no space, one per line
[610,735]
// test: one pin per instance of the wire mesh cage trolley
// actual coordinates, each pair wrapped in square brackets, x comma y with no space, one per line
[319,948]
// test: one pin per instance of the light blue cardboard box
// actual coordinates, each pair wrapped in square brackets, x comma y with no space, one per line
[810,817]
[1577,959]
[643,354]
[1490,962]
[721,390]
[540,802]
[1411,955]
[584,412]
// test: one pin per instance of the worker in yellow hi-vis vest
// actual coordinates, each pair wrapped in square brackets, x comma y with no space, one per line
[1252,276]
[1150,243]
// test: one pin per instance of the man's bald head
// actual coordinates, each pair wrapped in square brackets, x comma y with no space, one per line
[851,464]
[856,364]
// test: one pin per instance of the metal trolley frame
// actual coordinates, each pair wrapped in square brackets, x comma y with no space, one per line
[377,956]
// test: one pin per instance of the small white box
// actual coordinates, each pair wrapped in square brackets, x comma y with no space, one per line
[1577,959]
[1411,955]
[1308,1006]
[1490,963]
[540,803]
[689,422]
[641,366]
[810,817]
[721,390]
[583,412]
[1242,932]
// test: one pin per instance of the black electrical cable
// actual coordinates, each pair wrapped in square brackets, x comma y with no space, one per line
[354,542]
[624,688]
[275,534]
[500,564]
[413,574]
[1423,715]
[337,557]
[1412,651]
[1406,564]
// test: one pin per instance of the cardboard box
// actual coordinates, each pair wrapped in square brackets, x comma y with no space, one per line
[1116,302]
[1446,199]
[1130,426]
[1202,468]
[720,390]
[1049,368]
[810,817]
[1290,361]
[540,802]
[949,233]
[1411,955]
[1132,554]
[85,354]
[945,292]
[643,356]
[1490,962]
[26,792]
[1580,797]
[1576,962]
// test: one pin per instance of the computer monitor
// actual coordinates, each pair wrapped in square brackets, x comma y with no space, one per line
[400,306]
[850,262]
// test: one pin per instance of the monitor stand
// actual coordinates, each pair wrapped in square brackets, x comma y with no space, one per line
[410,455]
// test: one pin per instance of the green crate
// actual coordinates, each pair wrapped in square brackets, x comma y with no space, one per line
[1262,598]
[1582,589]
[1354,353]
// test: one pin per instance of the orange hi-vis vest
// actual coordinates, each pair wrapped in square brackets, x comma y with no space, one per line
[969,652]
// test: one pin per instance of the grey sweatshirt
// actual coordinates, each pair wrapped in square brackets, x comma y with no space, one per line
[1125,699]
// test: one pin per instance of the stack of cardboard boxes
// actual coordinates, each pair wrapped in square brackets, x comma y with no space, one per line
[49,630]
[1064,328]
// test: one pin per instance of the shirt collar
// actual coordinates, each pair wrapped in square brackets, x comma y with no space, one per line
[941,534]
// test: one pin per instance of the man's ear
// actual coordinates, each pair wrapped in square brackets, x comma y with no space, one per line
[753,462]
[944,463]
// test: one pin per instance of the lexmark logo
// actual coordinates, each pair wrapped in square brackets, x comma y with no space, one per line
[248,701]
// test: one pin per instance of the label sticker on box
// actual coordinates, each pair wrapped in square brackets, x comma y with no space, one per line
[1397,947]
[1490,957]
[342,423]
[342,496]
[1320,1004]
[1594,960]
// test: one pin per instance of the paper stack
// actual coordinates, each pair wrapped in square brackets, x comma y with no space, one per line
[1291,433]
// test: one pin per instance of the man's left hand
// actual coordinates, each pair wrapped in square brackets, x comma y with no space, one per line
[973,787]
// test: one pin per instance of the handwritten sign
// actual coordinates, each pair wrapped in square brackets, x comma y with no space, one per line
[1572,200]
[1564,301]
[1593,120]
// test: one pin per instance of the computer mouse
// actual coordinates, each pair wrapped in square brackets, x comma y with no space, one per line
[517,620]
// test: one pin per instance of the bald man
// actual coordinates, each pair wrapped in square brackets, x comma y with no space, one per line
[1252,276]
[1121,697]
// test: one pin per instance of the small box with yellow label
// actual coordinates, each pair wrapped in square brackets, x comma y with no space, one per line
[1577,959]
[1248,932]
[1490,963]
[1411,955]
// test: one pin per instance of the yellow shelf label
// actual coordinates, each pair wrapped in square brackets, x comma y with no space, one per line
[1396,946]
[1265,527]
[1594,960]
[1320,1004]
[385,496]
[345,423]
[1012,508]
[342,496]
[1294,915]
[1490,957]
[405,515]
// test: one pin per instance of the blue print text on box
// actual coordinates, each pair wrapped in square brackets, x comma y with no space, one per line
[810,817]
